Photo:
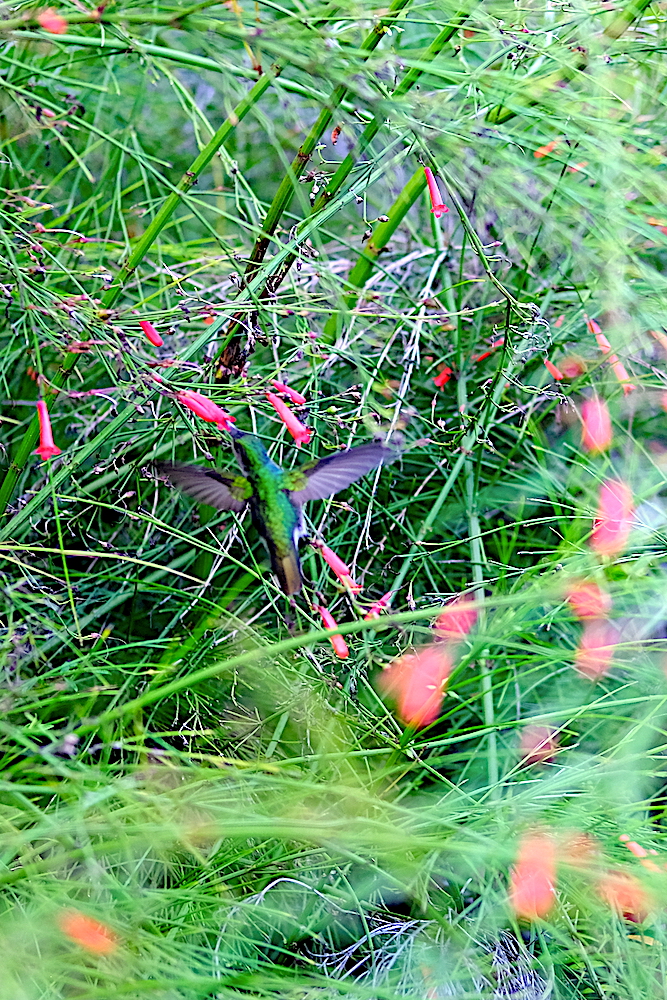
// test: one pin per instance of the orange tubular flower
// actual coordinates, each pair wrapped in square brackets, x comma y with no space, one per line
[151,333]
[87,932]
[613,521]
[545,150]
[47,449]
[457,618]
[533,878]
[553,371]
[379,606]
[596,432]
[52,21]
[337,641]
[626,895]
[621,373]
[292,394]
[341,569]
[444,377]
[299,431]
[438,206]
[486,354]
[594,328]
[417,683]
[205,408]
[587,601]
[595,651]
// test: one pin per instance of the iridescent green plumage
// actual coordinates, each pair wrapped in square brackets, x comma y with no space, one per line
[275,497]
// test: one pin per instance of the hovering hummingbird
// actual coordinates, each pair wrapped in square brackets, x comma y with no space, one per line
[276,497]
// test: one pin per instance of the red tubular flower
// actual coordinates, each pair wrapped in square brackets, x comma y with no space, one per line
[553,371]
[341,569]
[299,432]
[538,744]
[151,333]
[626,895]
[613,521]
[52,21]
[596,431]
[47,449]
[602,341]
[457,618]
[379,606]
[596,649]
[545,150]
[559,322]
[417,683]
[533,878]
[444,377]
[337,641]
[438,207]
[205,408]
[485,354]
[586,600]
[87,932]
[292,394]
[621,373]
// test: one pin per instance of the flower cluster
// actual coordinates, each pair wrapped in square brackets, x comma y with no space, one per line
[532,886]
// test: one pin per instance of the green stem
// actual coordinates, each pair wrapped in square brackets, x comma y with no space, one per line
[283,195]
[362,270]
[136,256]
[188,179]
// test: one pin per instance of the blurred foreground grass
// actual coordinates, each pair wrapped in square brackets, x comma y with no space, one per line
[184,758]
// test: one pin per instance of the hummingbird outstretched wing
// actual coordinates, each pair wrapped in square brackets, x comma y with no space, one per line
[336,472]
[224,491]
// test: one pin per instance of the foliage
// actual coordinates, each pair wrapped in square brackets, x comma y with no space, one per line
[184,758]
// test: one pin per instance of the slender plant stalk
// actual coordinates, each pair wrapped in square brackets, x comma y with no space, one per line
[363,269]
[136,256]
[371,130]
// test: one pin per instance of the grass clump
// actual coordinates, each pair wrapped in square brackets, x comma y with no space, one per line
[199,797]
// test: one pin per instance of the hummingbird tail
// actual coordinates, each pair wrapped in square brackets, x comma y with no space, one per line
[288,571]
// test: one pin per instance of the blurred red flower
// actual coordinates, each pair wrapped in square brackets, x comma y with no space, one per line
[587,600]
[549,147]
[613,521]
[596,430]
[87,932]
[625,894]
[553,370]
[596,648]
[538,744]
[444,377]
[532,882]
[52,21]
[417,683]
[457,618]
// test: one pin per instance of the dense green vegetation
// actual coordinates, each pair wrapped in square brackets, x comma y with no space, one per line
[185,758]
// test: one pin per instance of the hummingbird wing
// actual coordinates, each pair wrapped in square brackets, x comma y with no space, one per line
[224,491]
[336,472]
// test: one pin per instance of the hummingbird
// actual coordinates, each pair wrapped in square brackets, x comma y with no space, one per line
[275,497]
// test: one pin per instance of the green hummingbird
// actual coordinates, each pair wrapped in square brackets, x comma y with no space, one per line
[276,497]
